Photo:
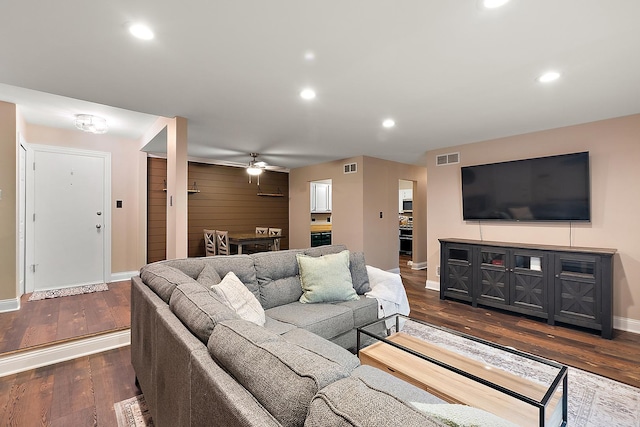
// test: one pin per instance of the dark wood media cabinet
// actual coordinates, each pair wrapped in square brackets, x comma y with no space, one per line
[559,283]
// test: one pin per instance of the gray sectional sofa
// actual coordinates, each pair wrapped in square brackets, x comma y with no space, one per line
[199,363]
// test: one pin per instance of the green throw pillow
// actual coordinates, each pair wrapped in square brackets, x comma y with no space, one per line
[326,278]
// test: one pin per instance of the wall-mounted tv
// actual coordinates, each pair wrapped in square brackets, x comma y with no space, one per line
[555,188]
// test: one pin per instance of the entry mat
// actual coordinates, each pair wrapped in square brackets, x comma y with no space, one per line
[65,292]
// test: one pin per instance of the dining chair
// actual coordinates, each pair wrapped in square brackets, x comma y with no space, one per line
[210,242]
[276,242]
[260,231]
[222,242]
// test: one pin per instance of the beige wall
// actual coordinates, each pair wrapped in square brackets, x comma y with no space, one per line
[8,225]
[125,174]
[614,147]
[357,202]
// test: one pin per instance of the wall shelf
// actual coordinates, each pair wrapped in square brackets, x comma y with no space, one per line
[191,190]
[271,194]
[263,194]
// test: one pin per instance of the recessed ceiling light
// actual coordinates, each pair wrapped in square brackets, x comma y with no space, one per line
[388,123]
[308,93]
[492,4]
[141,31]
[549,77]
[309,56]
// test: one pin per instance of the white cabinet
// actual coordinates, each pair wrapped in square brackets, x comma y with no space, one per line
[320,197]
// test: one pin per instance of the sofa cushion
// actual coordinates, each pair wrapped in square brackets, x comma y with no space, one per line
[324,250]
[315,344]
[278,277]
[326,278]
[163,279]
[277,326]
[464,416]
[235,295]
[351,402]
[189,266]
[241,265]
[326,320]
[383,381]
[282,376]
[208,276]
[359,275]
[199,309]
[365,310]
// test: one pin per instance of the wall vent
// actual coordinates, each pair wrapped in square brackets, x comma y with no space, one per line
[448,159]
[351,168]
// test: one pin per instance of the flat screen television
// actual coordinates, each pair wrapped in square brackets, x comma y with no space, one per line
[555,188]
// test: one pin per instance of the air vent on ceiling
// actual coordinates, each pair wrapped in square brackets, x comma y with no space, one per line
[351,168]
[447,159]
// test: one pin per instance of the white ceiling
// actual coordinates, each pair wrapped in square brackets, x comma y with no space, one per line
[449,72]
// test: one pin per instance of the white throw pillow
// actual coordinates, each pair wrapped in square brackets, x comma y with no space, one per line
[235,295]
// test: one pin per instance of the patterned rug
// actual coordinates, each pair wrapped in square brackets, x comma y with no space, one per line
[133,412]
[65,292]
[594,401]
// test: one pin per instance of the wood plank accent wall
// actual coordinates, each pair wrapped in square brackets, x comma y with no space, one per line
[226,201]
[156,210]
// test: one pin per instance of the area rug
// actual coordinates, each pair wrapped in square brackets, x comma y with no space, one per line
[133,412]
[593,400]
[65,292]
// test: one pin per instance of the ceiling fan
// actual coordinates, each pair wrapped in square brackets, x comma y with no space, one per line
[255,167]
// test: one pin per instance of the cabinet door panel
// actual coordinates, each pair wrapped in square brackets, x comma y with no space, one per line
[529,291]
[577,294]
[528,283]
[458,274]
[494,274]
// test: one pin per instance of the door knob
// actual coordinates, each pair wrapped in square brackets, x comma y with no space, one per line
[98,226]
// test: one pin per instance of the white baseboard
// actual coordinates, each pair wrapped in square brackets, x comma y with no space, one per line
[419,265]
[626,324]
[32,359]
[122,276]
[433,285]
[9,304]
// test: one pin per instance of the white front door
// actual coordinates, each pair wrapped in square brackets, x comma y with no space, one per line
[70,219]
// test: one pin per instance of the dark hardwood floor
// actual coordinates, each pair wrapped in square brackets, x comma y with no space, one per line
[618,358]
[82,392]
[43,322]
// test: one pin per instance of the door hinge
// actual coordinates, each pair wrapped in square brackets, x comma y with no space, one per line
[34,217]
[33,268]
[34,165]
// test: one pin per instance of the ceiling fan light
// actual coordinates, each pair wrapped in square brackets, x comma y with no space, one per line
[253,170]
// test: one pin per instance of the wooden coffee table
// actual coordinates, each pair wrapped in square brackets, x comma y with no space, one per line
[457,378]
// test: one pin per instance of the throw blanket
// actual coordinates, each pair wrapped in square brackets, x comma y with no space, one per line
[388,289]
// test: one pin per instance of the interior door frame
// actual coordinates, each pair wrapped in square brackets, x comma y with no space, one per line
[32,149]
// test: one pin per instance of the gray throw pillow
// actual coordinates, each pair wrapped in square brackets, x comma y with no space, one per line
[326,278]
[209,277]
[359,275]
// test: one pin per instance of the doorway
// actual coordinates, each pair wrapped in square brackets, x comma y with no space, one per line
[69,218]
[405,217]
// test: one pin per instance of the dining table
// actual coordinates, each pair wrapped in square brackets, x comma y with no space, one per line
[243,239]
